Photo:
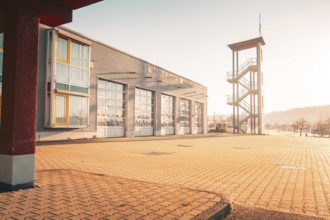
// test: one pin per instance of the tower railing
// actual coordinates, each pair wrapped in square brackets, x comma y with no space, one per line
[247,64]
[246,79]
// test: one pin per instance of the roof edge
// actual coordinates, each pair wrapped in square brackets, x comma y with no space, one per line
[243,45]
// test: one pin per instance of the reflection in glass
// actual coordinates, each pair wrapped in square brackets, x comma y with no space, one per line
[143,108]
[111,96]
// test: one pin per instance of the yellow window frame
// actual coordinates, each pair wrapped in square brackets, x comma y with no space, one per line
[68,49]
[66,110]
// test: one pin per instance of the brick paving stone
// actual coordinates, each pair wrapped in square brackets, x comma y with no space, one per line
[85,204]
[186,217]
[249,170]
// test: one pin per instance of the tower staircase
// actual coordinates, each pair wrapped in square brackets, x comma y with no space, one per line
[246,79]
[246,88]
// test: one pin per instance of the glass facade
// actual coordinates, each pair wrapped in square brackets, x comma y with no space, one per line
[110,104]
[72,65]
[143,108]
[61,106]
[78,111]
[167,111]
[71,110]
[68,82]
[199,117]
[184,113]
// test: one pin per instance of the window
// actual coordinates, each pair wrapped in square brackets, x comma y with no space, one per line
[67,101]
[78,110]
[184,113]
[70,110]
[72,65]
[167,111]
[61,109]
[63,48]
[198,115]
[143,108]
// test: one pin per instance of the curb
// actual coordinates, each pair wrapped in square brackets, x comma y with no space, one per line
[218,211]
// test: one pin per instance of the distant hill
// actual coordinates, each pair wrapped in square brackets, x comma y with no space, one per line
[310,114]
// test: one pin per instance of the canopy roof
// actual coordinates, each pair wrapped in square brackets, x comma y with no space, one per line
[246,44]
[50,12]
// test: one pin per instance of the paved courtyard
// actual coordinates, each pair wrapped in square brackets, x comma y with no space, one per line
[180,178]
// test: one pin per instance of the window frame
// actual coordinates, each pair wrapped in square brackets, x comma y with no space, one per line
[68,49]
[51,91]
[70,85]
[66,123]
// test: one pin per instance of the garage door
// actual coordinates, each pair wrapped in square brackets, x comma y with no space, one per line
[110,109]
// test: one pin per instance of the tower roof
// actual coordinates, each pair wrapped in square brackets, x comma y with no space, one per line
[243,45]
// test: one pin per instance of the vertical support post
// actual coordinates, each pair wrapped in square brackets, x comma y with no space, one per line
[19,96]
[130,115]
[254,104]
[157,113]
[177,115]
[204,112]
[260,93]
[237,92]
[192,117]
[251,102]
[234,96]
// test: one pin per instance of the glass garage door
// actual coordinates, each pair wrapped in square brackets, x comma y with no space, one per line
[143,113]
[110,109]
[198,117]
[185,116]
[167,114]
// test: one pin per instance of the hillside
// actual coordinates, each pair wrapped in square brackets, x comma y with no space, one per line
[310,114]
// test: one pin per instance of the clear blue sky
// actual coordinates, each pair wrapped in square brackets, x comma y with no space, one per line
[190,38]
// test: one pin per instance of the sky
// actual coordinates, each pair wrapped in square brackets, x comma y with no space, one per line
[190,38]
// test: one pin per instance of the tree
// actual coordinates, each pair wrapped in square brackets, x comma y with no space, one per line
[327,125]
[295,127]
[283,127]
[301,125]
[320,128]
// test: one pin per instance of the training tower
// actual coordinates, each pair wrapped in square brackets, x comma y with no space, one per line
[247,96]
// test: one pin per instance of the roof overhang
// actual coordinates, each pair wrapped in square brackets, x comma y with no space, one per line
[51,12]
[247,44]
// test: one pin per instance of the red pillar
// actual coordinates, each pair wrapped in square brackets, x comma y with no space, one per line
[19,94]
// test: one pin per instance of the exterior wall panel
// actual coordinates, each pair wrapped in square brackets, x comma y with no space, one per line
[111,64]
